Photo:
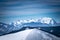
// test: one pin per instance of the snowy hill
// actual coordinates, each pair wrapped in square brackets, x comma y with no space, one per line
[5,28]
[30,34]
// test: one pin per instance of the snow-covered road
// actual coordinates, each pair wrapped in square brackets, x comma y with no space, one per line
[29,34]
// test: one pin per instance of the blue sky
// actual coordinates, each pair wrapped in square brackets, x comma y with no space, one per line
[15,10]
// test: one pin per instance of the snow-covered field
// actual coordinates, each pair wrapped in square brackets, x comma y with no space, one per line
[29,34]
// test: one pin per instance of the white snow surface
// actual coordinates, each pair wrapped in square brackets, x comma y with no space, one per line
[29,34]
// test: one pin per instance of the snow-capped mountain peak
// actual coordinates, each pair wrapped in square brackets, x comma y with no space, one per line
[47,20]
[44,20]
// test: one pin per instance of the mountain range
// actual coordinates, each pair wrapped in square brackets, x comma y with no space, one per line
[42,23]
